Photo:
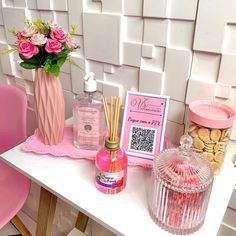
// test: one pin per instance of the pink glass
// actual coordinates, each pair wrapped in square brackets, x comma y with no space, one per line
[111,170]
[180,189]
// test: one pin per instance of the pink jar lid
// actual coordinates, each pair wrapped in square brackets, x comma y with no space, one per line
[211,114]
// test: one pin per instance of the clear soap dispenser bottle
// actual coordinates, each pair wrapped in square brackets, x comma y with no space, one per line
[89,128]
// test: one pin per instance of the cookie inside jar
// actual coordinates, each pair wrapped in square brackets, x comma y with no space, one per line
[209,124]
[211,143]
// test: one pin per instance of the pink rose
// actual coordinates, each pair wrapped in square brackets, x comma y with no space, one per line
[38,39]
[58,34]
[53,46]
[27,49]
[19,36]
[71,44]
[29,31]
[52,24]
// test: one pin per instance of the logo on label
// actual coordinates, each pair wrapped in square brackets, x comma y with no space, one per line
[110,180]
[88,128]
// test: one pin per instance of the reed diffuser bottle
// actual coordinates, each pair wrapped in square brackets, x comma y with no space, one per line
[111,160]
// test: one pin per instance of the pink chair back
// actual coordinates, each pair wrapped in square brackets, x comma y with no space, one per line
[13,107]
[14,187]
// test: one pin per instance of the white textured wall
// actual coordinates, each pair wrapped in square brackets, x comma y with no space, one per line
[182,48]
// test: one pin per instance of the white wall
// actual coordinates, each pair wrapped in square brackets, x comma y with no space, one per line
[182,48]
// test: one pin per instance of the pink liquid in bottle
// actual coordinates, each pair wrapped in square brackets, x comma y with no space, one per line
[111,168]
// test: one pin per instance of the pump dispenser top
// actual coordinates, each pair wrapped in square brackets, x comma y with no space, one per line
[90,83]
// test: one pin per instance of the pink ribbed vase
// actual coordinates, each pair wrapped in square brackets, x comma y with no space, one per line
[49,107]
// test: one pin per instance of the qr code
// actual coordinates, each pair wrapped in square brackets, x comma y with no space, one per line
[142,139]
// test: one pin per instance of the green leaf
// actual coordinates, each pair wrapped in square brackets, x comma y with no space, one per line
[34,60]
[61,61]
[28,66]
[53,69]
[63,53]
[47,67]
[48,59]
[46,29]
[48,63]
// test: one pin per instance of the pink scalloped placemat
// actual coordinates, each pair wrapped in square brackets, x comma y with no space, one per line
[67,149]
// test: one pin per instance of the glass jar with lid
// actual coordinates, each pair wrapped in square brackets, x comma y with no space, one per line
[180,189]
[209,124]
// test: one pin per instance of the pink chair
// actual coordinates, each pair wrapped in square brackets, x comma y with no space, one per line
[14,186]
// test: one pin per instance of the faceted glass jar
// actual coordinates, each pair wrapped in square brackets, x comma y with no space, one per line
[180,189]
[209,124]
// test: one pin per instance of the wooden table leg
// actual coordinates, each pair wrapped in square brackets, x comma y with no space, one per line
[46,211]
[81,222]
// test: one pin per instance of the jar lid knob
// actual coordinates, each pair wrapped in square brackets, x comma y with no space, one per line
[186,141]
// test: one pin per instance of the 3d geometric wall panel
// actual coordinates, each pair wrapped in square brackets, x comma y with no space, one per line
[200,90]
[211,24]
[13,17]
[75,17]
[6,61]
[59,5]
[44,5]
[153,58]
[205,66]
[147,50]
[223,90]
[182,9]
[132,54]
[115,6]
[102,43]
[228,69]
[155,31]
[127,76]
[229,38]
[156,79]
[177,70]
[155,8]
[132,29]
[133,7]
[181,34]
[176,111]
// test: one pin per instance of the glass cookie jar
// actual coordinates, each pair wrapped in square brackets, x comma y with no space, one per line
[209,124]
[180,189]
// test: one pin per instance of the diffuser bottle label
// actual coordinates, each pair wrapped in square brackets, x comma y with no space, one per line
[110,180]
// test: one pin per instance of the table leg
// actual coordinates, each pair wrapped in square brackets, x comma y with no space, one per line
[81,222]
[46,211]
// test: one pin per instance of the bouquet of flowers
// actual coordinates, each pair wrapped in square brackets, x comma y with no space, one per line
[44,45]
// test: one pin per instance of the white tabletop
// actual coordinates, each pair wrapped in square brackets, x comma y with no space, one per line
[124,213]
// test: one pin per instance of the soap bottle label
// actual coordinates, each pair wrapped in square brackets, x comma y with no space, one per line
[110,179]
[88,125]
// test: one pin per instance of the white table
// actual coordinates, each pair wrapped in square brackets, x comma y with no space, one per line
[124,213]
